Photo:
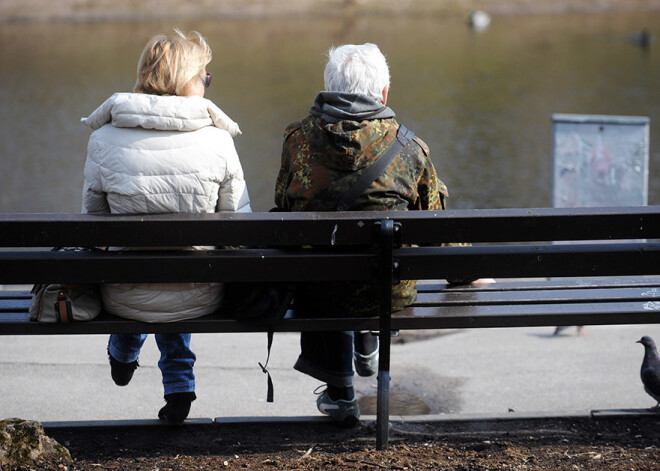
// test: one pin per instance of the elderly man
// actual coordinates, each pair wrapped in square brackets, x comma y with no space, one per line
[348,129]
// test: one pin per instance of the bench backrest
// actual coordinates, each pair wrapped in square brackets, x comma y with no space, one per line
[333,246]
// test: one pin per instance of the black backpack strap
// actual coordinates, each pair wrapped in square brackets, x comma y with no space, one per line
[403,138]
[271,390]
[283,296]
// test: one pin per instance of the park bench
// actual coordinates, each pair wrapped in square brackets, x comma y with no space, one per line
[555,267]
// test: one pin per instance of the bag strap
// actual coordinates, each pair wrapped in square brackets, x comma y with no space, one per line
[284,301]
[63,308]
[403,138]
[270,393]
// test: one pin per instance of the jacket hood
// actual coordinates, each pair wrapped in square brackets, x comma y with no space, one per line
[336,106]
[165,113]
[349,129]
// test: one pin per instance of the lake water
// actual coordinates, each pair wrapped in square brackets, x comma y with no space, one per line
[482,102]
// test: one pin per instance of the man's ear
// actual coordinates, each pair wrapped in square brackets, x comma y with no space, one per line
[385,92]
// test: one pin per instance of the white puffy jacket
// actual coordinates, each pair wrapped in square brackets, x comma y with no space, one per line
[162,154]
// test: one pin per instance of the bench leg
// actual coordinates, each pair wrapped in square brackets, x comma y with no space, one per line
[383,410]
[386,279]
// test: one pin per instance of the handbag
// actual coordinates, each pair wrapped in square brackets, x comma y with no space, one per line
[65,303]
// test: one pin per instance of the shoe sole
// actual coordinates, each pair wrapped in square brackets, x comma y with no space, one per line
[170,423]
[349,422]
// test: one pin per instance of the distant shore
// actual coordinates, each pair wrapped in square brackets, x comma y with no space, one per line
[28,11]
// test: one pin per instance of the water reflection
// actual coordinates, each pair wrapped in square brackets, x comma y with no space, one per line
[482,102]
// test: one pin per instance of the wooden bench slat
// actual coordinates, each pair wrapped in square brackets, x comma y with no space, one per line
[527,319]
[334,228]
[329,265]
[602,313]
[534,224]
[172,230]
[14,305]
[19,324]
[15,294]
[247,265]
[473,298]
[522,261]
[537,296]
[467,314]
[411,318]
[548,284]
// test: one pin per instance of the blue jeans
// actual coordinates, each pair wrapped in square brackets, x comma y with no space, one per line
[327,356]
[176,358]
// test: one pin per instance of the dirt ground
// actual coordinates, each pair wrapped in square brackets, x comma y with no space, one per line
[620,443]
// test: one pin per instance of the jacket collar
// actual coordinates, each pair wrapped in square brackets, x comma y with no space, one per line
[333,107]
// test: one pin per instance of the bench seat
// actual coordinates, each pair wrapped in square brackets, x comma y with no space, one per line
[540,302]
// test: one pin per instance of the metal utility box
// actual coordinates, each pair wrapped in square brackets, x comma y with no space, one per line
[600,160]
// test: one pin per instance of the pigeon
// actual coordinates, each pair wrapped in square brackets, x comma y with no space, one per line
[560,329]
[650,372]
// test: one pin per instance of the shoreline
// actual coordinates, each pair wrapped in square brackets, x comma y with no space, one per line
[46,11]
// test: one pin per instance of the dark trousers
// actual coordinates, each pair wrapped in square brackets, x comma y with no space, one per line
[327,356]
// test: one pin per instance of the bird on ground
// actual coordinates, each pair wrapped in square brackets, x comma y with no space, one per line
[650,371]
[560,329]
[478,20]
[643,39]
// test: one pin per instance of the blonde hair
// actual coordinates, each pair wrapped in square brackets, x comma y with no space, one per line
[168,64]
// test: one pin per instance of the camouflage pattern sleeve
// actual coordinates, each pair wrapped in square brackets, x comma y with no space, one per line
[282,182]
[284,175]
[432,192]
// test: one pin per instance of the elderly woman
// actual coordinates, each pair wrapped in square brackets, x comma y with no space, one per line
[163,149]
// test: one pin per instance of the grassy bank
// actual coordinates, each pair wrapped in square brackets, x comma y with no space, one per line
[133,10]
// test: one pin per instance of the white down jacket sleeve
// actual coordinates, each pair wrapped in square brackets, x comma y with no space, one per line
[233,194]
[94,200]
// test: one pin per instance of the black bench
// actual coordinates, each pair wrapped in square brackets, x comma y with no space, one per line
[576,282]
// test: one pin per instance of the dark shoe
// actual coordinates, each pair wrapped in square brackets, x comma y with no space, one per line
[365,355]
[122,372]
[345,413]
[366,365]
[177,408]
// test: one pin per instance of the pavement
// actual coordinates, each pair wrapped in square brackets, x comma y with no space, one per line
[509,372]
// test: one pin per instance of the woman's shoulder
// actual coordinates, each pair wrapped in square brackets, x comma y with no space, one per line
[173,113]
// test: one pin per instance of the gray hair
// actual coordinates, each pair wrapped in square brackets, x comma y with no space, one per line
[357,69]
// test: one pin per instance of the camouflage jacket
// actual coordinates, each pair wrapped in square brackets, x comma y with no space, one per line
[321,161]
